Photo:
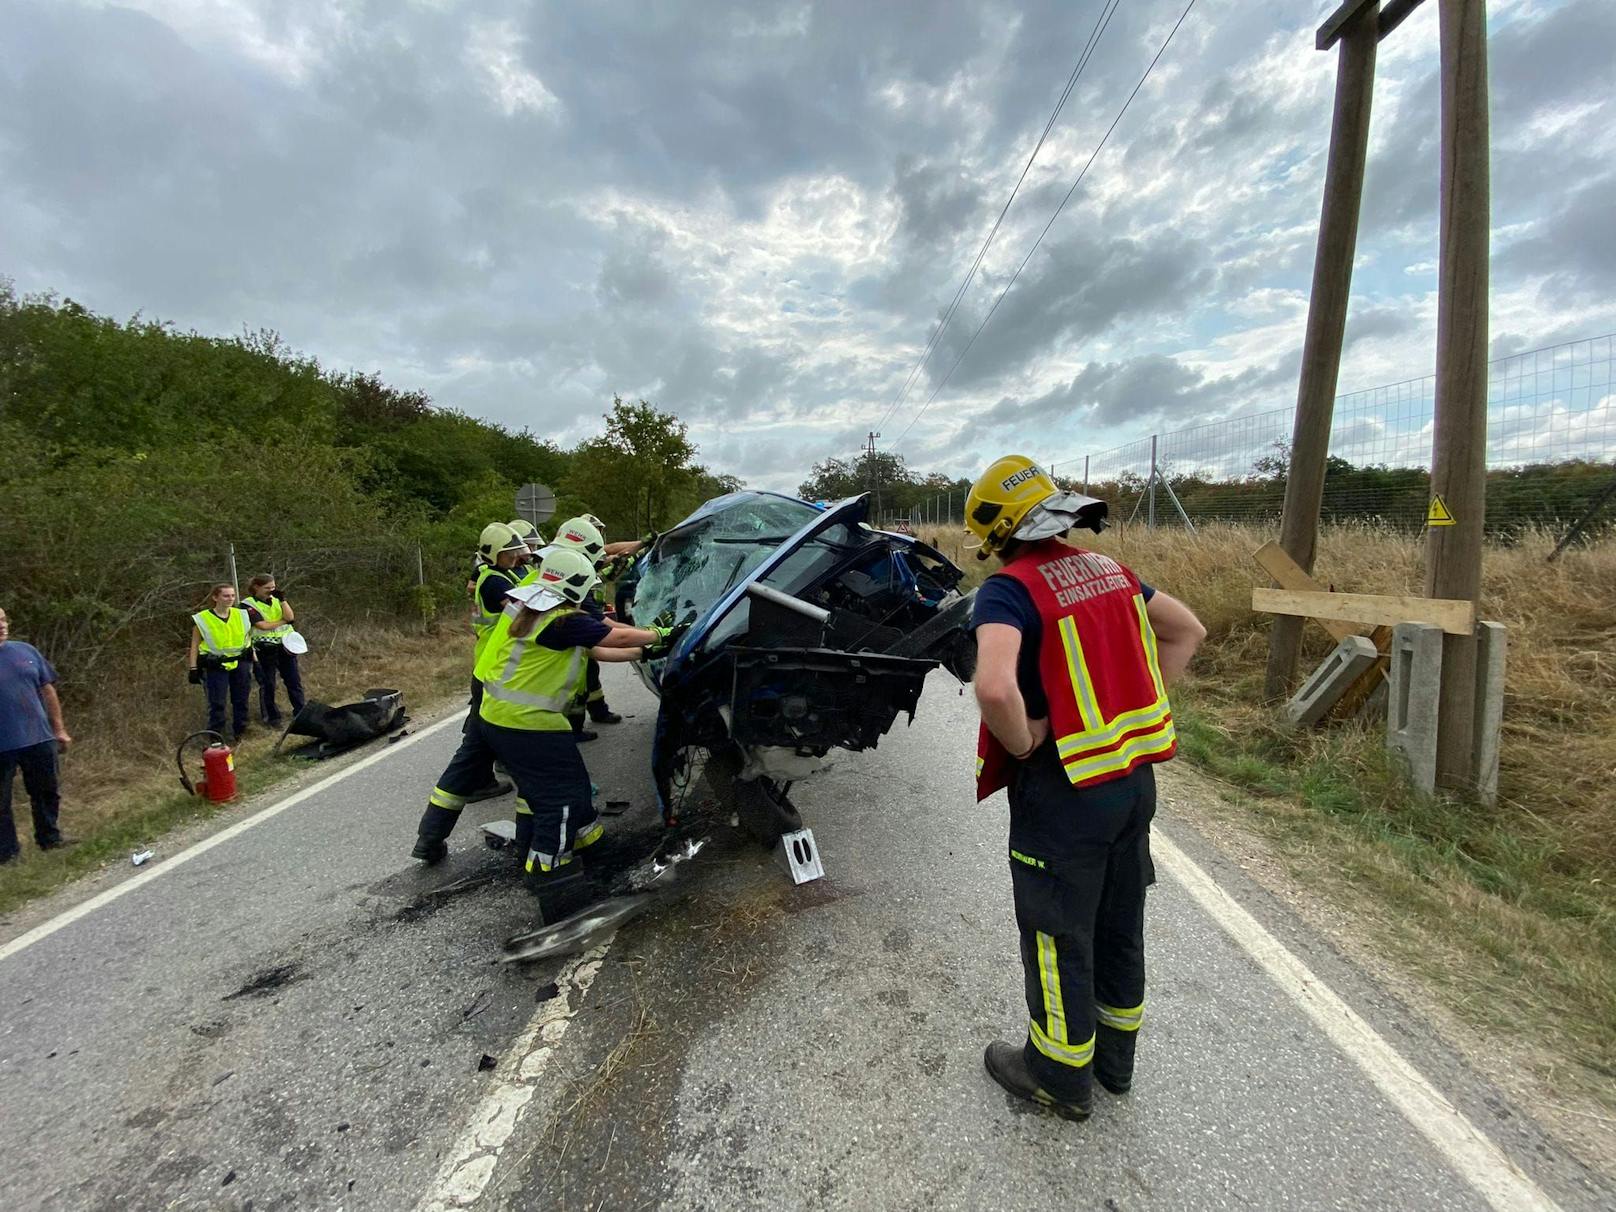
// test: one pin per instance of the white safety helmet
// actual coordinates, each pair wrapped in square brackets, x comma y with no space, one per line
[582,535]
[567,572]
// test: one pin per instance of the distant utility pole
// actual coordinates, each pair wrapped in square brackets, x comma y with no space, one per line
[875,480]
[1355,25]
[1459,454]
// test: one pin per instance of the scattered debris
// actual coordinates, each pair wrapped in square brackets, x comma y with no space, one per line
[344,1126]
[486,1063]
[393,740]
[228,1179]
[141,857]
[546,992]
[615,807]
[224,1077]
[483,1000]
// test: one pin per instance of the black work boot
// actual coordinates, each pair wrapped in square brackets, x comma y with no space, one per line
[1007,1064]
[602,714]
[432,844]
[561,892]
[494,790]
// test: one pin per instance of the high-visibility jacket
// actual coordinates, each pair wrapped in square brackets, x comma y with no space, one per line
[483,620]
[225,638]
[525,684]
[1108,709]
[273,612]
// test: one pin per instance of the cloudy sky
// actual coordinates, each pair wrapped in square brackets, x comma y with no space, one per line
[755,213]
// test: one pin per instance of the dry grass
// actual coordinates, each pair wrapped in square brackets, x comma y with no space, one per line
[120,789]
[1512,909]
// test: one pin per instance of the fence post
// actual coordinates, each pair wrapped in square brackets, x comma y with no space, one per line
[420,566]
[1085,475]
[234,579]
[1150,486]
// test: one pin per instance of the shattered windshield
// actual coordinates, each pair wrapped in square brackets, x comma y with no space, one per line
[696,564]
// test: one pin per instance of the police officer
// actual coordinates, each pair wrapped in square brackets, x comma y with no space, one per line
[531,670]
[220,658]
[271,658]
[1074,655]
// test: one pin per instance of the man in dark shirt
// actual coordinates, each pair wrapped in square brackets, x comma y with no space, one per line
[31,733]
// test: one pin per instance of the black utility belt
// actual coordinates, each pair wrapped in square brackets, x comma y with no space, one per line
[275,643]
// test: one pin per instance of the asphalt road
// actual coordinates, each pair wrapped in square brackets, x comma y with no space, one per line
[295,1017]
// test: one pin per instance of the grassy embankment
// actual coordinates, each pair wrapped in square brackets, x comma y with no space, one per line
[1510,912]
[120,791]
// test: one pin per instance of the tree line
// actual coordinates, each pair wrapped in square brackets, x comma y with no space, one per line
[138,456]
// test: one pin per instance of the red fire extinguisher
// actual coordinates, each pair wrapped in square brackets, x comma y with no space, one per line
[218,781]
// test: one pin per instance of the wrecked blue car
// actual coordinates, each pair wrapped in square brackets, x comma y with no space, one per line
[808,631]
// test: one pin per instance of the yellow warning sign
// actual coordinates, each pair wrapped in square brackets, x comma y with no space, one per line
[1439,514]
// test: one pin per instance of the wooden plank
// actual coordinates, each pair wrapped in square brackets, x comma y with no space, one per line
[1350,703]
[1288,574]
[1454,617]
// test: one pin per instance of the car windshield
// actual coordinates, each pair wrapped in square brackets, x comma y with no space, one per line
[696,563]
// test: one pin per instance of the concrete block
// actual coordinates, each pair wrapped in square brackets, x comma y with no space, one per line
[1491,642]
[1351,658]
[1416,692]
[800,856]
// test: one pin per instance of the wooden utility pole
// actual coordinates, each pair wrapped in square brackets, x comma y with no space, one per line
[1356,26]
[1459,456]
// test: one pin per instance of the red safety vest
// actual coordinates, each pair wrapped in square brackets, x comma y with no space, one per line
[1108,710]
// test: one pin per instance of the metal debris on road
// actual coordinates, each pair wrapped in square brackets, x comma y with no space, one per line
[486,1063]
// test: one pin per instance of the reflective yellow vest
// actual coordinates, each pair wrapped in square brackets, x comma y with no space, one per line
[482,621]
[526,685]
[226,638]
[273,612]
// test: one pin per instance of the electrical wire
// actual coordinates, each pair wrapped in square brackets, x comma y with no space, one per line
[1107,11]
[1083,173]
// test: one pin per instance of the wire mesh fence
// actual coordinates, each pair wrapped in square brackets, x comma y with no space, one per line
[1551,451]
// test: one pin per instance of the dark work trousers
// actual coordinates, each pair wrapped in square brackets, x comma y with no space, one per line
[554,783]
[469,771]
[594,693]
[1079,866]
[474,702]
[272,661]
[234,684]
[38,766]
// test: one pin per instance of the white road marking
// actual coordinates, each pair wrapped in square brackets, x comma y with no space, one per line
[161,868]
[464,1175]
[1471,1154]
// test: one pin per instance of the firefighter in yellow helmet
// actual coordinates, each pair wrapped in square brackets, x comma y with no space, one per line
[529,534]
[470,775]
[531,669]
[583,533]
[1074,655]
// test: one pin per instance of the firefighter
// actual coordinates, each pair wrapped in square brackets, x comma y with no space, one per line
[220,658]
[531,670]
[1074,657]
[529,535]
[271,658]
[584,534]
[470,775]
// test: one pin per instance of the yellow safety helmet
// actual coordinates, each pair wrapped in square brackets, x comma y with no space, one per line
[497,537]
[1001,497]
[528,533]
[568,572]
[582,535]
[1016,499]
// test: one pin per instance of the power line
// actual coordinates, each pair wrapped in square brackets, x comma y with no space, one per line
[1097,149]
[1107,11]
